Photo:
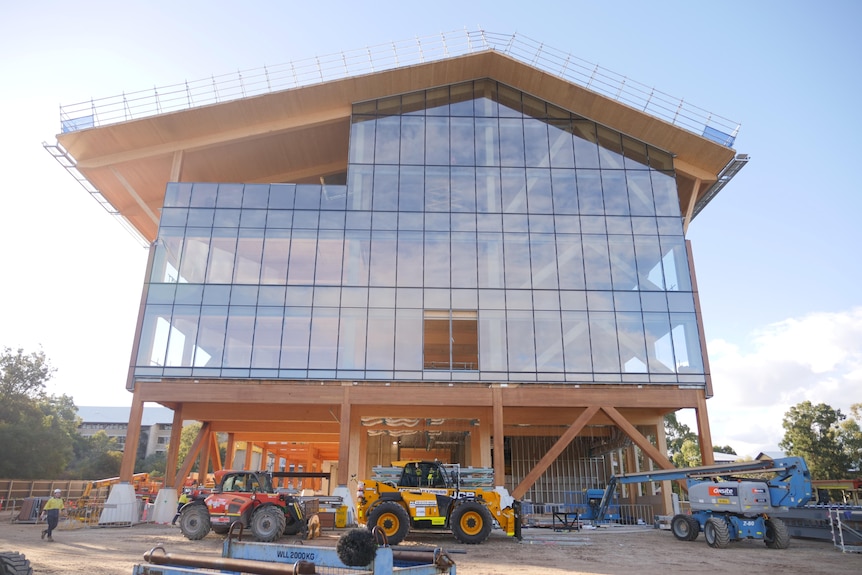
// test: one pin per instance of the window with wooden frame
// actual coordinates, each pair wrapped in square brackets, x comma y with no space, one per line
[451,339]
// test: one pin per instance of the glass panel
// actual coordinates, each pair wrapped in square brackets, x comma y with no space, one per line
[410,259]
[330,244]
[635,154]
[323,350]
[463,189]
[665,194]
[240,333]
[226,218]
[562,152]
[161,293]
[359,185]
[514,188]
[177,194]
[630,331]
[536,150]
[436,141]
[686,343]
[543,261]
[586,144]
[412,140]
[461,99]
[565,191]
[307,197]
[512,142]
[272,295]
[492,340]
[590,192]
[437,189]
[408,340]
[640,193]
[659,343]
[203,195]
[463,141]
[549,341]
[411,188]
[281,196]
[248,257]
[197,217]
[488,192]
[464,263]
[650,276]
[357,256]
[166,260]
[243,295]
[539,191]
[487,142]
[603,341]
[294,341]
[383,258]
[622,257]
[303,249]
[610,148]
[211,336]
[490,252]
[362,140]
[437,265]
[381,339]
[596,262]
[387,142]
[385,188]
[570,264]
[267,338]
[176,216]
[576,342]
[155,329]
[351,339]
[255,196]
[521,341]
[465,340]
[229,196]
[615,192]
[675,263]
[221,256]
[517,258]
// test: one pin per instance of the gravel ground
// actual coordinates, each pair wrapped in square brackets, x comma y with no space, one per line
[606,551]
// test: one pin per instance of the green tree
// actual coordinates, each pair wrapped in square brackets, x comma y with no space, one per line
[187,438]
[676,434]
[723,449]
[814,432]
[31,417]
[688,454]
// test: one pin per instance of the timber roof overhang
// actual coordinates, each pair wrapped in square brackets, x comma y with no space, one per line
[301,134]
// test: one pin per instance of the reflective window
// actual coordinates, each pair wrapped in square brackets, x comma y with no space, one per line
[480,229]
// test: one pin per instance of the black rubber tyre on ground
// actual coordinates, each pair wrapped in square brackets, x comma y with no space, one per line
[12,563]
[776,536]
[471,522]
[267,523]
[716,533]
[195,522]
[681,526]
[392,519]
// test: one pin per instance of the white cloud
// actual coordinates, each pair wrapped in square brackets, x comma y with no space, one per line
[817,357]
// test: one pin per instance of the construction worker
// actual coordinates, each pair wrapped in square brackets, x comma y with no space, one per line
[51,512]
[183,499]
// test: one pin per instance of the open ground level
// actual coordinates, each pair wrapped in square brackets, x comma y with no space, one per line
[605,551]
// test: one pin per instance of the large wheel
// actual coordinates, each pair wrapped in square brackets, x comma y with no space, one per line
[682,527]
[716,533]
[471,522]
[776,536]
[267,523]
[392,519]
[221,530]
[195,522]
[695,527]
[14,564]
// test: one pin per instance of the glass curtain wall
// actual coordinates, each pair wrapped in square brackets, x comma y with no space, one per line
[483,235]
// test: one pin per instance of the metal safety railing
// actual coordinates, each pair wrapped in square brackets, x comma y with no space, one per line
[387,56]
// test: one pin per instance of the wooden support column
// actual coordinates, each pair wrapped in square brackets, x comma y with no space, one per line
[174,449]
[582,420]
[133,436]
[344,462]
[666,489]
[194,450]
[215,454]
[638,438]
[689,212]
[230,452]
[204,464]
[704,436]
[499,443]
[249,450]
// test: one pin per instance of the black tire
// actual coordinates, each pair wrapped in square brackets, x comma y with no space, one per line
[267,523]
[293,524]
[392,519]
[12,563]
[682,528]
[716,533]
[195,522]
[695,527]
[776,536]
[221,530]
[471,522]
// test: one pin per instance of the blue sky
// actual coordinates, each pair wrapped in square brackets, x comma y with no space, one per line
[776,253]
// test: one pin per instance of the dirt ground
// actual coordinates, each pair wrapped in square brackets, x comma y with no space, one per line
[605,551]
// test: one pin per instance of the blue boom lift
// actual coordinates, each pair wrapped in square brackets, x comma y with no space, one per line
[727,507]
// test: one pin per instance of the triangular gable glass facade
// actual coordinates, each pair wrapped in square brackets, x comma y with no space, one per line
[482,235]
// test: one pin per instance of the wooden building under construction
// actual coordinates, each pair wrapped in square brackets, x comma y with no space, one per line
[475,255]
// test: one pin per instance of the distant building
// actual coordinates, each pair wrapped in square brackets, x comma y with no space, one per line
[156,425]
